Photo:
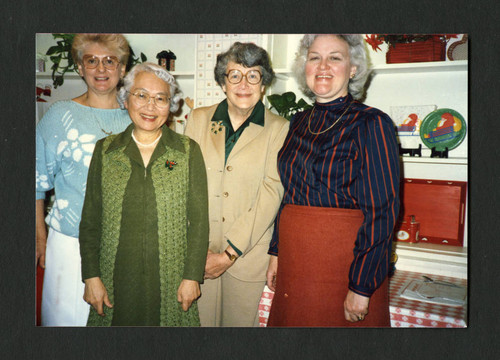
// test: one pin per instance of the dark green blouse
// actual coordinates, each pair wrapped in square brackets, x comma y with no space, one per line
[221,115]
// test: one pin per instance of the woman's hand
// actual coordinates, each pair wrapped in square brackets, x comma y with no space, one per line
[96,294]
[41,234]
[216,265]
[189,291]
[355,306]
[272,270]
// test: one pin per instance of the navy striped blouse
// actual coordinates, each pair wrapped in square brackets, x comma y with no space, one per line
[354,165]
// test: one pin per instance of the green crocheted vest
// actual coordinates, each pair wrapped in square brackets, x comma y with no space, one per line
[171,195]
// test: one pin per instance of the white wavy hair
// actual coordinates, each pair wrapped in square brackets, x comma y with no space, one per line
[357,56]
[160,72]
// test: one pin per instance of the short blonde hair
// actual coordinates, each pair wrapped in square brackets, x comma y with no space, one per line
[117,43]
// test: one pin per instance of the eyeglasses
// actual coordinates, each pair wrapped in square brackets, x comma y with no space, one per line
[235,76]
[92,61]
[142,98]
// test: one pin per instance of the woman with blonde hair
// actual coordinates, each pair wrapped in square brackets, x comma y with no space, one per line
[65,140]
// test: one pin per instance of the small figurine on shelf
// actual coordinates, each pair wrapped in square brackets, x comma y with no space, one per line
[439,154]
[166,58]
[411,151]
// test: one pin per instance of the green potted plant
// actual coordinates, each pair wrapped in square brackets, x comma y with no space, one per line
[285,104]
[62,61]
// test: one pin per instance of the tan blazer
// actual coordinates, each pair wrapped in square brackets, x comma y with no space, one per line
[245,194]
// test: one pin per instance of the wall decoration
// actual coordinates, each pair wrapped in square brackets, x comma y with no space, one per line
[408,120]
[443,130]
[459,50]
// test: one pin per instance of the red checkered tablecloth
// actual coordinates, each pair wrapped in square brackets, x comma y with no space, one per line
[412,313]
[265,306]
[403,312]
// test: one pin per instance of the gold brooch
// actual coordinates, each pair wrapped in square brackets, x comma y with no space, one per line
[216,126]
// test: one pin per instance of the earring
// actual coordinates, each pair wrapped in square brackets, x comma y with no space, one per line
[352,76]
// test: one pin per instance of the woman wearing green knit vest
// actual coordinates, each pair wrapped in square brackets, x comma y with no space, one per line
[144,228]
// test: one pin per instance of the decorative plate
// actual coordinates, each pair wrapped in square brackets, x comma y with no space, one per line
[443,128]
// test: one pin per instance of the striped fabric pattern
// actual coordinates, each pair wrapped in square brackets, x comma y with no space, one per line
[353,165]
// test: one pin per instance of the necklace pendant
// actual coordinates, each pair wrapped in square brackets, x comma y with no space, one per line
[107,132]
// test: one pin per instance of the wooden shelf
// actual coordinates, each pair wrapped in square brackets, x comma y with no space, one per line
[409,68]
[48,75]
[282,73]
[435,259]
[432,66]
[72,75]
[429,160]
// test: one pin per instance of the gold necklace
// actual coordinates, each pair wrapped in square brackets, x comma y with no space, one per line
[324,131]
[97,120]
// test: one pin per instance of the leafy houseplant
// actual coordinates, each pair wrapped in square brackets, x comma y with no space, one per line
[62,51]
[285,104]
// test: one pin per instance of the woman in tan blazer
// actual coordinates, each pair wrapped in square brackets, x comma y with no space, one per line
[240,140]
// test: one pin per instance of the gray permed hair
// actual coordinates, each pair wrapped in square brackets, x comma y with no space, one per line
[160,72]
[357,55]
[248,55]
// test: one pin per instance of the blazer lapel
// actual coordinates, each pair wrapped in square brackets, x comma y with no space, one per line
[247,136]
[218,137]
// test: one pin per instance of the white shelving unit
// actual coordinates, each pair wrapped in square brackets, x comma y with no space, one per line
[422,67]
[443,84]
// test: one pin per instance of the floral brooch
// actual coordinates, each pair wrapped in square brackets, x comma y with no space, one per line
[216,126]
[170,164]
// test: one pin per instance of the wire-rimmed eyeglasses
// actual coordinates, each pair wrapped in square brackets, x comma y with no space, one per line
[92,61]
[143,98]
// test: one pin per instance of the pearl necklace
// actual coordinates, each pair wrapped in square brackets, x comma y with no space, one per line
[324,131]
[146,145]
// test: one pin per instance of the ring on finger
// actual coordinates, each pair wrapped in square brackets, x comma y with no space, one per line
[361,317]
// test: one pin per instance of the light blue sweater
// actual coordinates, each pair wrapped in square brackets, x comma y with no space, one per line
[65,140]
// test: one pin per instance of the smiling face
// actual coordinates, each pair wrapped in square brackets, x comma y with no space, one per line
[148,118]
[100,80]
[328,68]
[242,97]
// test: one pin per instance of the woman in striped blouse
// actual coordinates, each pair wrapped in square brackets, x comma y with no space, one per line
[340,169]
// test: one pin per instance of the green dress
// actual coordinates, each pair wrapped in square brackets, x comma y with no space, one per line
[143,230]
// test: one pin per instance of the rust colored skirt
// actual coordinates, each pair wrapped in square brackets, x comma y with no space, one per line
[315,254]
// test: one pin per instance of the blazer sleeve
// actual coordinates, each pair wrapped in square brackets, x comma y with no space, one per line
[249,228]
[90,224]
[197,215]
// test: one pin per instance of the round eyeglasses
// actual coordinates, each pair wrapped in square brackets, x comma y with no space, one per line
[235,76]
[92,61]
[143,98]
